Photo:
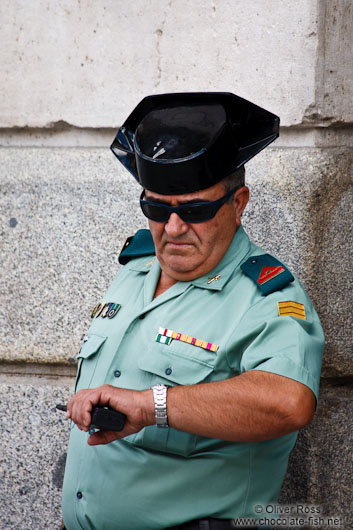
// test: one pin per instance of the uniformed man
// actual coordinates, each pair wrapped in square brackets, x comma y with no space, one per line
[210,346]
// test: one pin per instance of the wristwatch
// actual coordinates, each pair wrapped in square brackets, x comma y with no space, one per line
[160,405]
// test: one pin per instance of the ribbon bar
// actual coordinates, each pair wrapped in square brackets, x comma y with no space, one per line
[165,336]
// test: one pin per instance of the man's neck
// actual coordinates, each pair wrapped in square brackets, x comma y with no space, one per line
[163,284]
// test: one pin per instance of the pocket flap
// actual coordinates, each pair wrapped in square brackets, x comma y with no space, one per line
[176,368]
[90,346]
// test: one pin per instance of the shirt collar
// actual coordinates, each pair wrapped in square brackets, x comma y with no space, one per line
[142,264]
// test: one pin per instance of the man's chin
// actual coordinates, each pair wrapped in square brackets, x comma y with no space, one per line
[179,263]
[179,268]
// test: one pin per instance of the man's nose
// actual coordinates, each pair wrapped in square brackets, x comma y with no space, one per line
[175,226]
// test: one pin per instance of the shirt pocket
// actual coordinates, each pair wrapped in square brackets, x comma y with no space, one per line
[172,368]
[87,360]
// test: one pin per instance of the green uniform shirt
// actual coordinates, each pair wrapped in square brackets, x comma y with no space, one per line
[163,477]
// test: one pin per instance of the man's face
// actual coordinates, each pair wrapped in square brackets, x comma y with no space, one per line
[187,251]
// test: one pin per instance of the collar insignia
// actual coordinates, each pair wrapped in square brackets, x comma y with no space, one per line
[214,279]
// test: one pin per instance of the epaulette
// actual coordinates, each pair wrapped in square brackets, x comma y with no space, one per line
[141,244]
[268,273]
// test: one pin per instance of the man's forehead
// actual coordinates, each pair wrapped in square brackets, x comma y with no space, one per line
[200,195]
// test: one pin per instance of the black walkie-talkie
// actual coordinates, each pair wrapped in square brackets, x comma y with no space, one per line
[103,418]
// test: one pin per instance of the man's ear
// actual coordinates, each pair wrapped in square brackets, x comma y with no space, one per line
[240,200]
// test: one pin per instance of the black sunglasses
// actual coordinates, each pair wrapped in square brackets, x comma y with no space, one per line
[194,212]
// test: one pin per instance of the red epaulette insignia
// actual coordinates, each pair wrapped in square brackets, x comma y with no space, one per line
[267,273]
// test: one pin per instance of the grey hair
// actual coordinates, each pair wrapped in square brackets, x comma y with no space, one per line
[234,180]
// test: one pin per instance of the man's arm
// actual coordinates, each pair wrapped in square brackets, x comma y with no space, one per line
[254,406]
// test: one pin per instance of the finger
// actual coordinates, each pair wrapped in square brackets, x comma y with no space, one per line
[69,407]
[80,408]
[81,427]
[103,437]
[82,419]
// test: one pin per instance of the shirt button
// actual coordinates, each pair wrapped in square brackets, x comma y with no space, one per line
[141,317]
[117,373]
[79,495]
[168,371]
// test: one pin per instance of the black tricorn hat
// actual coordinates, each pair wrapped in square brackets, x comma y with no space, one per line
[185,142]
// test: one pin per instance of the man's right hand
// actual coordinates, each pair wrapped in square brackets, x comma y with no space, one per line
[138,406]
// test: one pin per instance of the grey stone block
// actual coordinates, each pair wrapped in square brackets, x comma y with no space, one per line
[300,210]
[33,453]
[66,213]
[186,45]
[320,468]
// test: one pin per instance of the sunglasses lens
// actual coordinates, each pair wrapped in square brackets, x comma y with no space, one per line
[197,213]
[155,212]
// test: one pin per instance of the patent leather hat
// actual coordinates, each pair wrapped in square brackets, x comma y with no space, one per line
[185,142]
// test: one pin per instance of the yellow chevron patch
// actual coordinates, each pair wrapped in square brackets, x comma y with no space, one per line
[291,309]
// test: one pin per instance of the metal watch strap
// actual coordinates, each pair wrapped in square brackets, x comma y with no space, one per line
[160,405]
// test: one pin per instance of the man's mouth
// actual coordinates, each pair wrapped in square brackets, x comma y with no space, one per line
[178,245]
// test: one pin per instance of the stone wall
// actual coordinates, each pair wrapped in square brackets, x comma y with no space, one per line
[71,72]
